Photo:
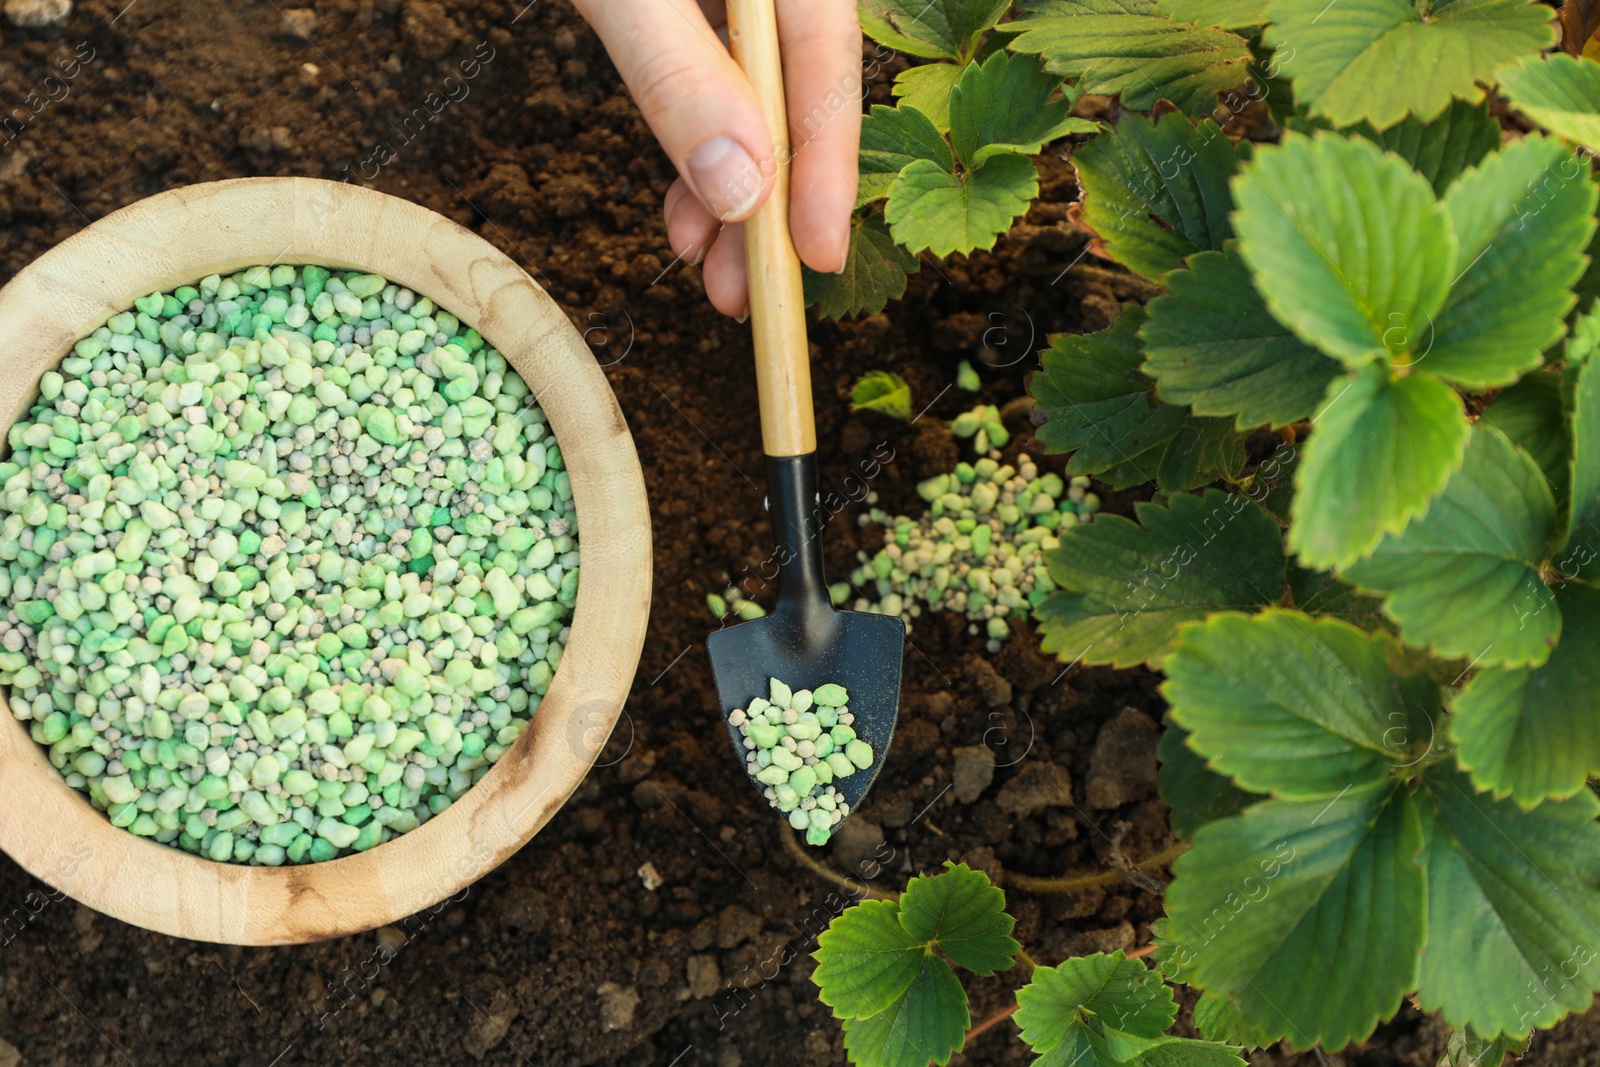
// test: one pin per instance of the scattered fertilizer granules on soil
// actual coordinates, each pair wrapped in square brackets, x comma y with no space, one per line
[732,600]
[979,549]
[288,557]
[797,742]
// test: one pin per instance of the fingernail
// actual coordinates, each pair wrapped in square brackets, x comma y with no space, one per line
[844,251]
[699,254]
[744,316]
[725,176]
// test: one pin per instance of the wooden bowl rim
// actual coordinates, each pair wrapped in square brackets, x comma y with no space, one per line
[179,236]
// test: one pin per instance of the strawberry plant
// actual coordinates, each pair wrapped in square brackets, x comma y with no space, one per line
[1367,402]
[1367,408]
[949,164]
[885,968]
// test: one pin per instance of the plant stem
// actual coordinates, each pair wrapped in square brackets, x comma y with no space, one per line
[791,844]
[1027,882]
[1089,881]
[1122,279]
[992,1021]
[1006,1013]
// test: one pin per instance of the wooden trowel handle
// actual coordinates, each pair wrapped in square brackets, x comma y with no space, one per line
[777,304]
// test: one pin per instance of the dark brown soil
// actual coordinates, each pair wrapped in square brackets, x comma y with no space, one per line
[564,956]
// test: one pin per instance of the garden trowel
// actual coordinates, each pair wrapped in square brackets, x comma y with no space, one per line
[805,642]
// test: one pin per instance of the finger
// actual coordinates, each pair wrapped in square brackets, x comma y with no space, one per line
[723,272]
[690,227]
[821,42]
[692,94]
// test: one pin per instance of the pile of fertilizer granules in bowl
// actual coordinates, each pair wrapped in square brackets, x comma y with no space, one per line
[288,560]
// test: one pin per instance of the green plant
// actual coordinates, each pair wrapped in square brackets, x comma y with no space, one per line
[886,969]
[1370,416]
[884,392]
[950,162]
[1466,1049]
[1380,637]
[967,377]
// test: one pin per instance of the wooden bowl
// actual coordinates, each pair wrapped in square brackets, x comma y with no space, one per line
[178,237]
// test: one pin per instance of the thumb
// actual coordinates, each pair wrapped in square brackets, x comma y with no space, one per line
[694,96]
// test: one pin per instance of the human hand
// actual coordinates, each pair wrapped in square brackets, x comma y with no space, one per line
[706,116]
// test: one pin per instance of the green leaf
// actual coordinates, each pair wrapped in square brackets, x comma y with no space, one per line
[1211,344]
[1112,1047]
[1156,191]
[1512,907]
[1196,794]
[875,272]
[1587,287]
[1126,47]
[1172,960]
[932,29]
[1442,148]
[1466,1049]
[1320,593]
[1463,578]
[927,88]
[1529,413]
[1532,733]
[882,391]
[866,961]
[1268,83]
[1126,588]
[1073,1051]
[1382,448]
[1137,470]
[1521,220]
[1560,93]
[1584,340]
[1216,1018]
[1580,556]
[1294,706]
[1004,105]
[1348,245]
[928,1023]
[965,915]
[1376,60]
[1272,481]
[902,1005]
[1291,889]
[1227,14]
[931,208]
[1098,405]
[1117,993]
[892,138]
[1201,451]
